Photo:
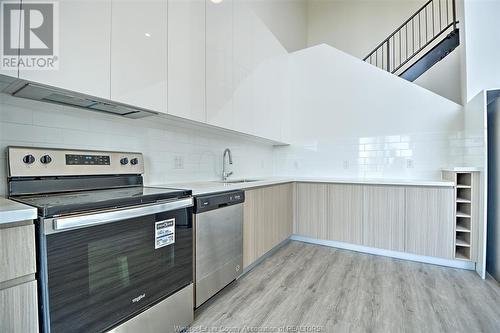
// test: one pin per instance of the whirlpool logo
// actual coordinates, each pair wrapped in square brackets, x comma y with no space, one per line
[138,298]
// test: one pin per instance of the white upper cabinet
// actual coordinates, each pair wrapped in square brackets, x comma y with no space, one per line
[139,53]
[219,63]
[186,59]
[84,49]
[260,67]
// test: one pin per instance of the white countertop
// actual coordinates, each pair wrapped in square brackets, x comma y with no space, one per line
[462,169]
[206,187]
[12,211]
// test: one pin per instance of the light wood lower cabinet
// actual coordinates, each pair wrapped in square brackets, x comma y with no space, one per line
[417,220]
[430,221]
[345,213]
[19,309]
[268,220]
[17,252]
[311,210]
[329,211]
[384,217]
[18,295]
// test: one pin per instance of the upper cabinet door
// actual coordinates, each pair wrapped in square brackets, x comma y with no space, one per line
[139,53]
[260,67]
[186,59]
[219,62]
[11,13]
[84,39]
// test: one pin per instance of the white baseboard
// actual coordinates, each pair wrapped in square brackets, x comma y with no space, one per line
[387,253]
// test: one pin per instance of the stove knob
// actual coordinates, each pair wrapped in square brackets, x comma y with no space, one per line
[124,161]
[45,159]
[134,161]
[29,159]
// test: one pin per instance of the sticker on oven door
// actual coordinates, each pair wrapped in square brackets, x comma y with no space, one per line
[164,233]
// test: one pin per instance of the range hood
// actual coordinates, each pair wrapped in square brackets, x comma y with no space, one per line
[38,92]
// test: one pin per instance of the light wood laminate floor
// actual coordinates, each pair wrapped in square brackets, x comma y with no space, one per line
[315,287]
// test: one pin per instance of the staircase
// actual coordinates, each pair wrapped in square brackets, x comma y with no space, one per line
[420,42]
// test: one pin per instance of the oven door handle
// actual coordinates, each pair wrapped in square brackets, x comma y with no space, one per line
[81,221]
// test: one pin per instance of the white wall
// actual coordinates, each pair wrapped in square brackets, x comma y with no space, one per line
[482,43]
[445,77]
[260,73]
[358,26]
[351,119]
[246,67]
[286,19]
[475,155]
[30,123]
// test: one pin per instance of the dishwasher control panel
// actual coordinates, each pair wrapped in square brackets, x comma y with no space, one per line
[209,202]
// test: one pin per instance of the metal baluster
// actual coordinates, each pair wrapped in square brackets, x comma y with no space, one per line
[419,32]
[382,56]
[454,15]
[426,34]
[433,21]
[399,49]
[394,51]
[440,25]
[447,13]
[412,36]
[406,44]
[388,55]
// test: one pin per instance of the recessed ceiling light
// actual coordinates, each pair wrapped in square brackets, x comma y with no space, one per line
[147,34]
[216,1]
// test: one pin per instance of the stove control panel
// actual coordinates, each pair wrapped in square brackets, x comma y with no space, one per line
[72,159]
[40,162]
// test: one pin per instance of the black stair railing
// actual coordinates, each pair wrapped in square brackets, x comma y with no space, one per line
[423,28]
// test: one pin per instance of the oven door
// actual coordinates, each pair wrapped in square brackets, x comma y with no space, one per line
[99,270]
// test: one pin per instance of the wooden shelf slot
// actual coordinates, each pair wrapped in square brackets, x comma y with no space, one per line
[463,239]
[463,224]
[464,194]
[464,179]
[463,209]
[462,253]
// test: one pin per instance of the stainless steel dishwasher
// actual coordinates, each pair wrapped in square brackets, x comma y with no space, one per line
[219,242]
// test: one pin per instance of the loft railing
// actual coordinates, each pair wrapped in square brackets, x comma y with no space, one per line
[424,27]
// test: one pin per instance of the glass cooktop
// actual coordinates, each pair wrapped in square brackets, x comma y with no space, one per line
[83,201]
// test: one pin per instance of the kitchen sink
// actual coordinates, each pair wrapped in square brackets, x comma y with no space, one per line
[239,181]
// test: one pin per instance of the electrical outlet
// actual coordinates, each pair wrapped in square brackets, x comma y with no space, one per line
[409,164]
[178,162]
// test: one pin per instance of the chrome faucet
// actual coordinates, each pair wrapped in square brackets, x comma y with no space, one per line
[226,174]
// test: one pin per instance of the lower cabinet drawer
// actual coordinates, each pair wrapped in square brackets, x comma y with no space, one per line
[18,309]
[17,252]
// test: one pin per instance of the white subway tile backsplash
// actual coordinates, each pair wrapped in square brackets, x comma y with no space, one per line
[408,155]
[29,133]
[29,123]
[16,115]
